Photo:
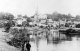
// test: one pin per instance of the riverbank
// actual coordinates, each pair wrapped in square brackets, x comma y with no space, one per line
[3,45]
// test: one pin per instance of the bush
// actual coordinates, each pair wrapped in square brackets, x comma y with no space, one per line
[78,26]
[1,25]
[19,36]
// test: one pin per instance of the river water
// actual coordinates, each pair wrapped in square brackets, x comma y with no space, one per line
[73,45]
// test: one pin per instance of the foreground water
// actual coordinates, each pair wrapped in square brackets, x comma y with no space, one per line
[73,45]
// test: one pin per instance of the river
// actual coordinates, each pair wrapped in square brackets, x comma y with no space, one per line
[73,45]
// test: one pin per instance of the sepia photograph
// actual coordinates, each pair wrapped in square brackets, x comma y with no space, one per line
[39,25]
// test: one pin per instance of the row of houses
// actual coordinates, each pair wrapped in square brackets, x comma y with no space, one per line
[38,21]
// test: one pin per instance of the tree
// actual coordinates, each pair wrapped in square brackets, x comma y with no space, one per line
[55,16]
[29,19]
[24,23]
[20,37]
[25,16]
[20,15]
[78,26]
[7,16]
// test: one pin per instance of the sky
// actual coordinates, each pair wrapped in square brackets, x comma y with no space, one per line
[29,7]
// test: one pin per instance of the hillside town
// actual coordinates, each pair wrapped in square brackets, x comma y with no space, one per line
[54,28]
[39,25]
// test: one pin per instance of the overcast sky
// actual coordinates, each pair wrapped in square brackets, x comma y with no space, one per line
[44,6]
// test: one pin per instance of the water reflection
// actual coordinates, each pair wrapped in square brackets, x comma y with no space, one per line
[60,46]
[58,43]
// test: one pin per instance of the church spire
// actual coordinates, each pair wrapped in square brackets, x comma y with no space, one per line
[36,13]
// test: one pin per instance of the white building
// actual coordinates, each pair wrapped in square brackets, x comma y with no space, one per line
[20,20]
